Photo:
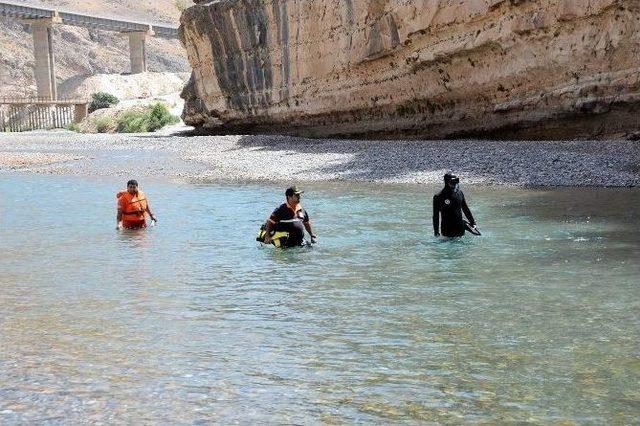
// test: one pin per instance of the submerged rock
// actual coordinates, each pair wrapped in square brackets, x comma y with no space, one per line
[425,68]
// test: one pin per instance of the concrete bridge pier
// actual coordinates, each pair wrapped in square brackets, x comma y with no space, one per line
[137,50]
[41,21]
[42,30]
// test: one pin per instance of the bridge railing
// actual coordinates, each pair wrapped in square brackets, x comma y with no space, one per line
[36,100]
[24,11]
[23,114]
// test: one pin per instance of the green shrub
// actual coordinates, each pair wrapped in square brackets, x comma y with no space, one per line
[73,127]
[149,119]
[101,100]
[160,117]
[104,124]
[133,122]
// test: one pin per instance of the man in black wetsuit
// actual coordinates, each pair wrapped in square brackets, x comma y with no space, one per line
[292,218]
[449,204]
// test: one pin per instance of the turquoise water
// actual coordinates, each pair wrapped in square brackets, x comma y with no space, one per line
[193,321]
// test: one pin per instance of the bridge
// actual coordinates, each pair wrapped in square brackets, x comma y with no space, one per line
[20,114]
[42,21]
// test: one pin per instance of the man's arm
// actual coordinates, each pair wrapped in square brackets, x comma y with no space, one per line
[436,216]
[148,210]
[467,212]
[271,223]
[307,225]
[267,231]
[119,209]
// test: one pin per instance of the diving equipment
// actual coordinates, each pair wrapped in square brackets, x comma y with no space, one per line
[450,177]
[472,229]
[277,238]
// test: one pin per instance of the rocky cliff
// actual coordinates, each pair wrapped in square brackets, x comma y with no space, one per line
[423,68]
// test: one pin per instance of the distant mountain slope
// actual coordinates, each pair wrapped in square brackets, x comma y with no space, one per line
[80,51]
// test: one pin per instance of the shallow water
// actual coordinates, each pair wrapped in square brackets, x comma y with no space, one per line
[193,321]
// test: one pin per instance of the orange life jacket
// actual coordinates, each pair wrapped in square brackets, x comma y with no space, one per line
[132,206]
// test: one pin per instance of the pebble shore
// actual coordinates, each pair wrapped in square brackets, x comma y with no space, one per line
[290,159]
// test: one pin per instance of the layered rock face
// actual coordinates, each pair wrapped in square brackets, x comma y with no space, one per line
[420,68]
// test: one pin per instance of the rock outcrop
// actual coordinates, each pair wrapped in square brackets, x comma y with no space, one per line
[422,68]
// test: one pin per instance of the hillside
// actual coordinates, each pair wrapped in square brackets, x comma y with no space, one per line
[80,51]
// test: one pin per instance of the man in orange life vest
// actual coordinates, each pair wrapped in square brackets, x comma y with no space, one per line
[292,218]
[132,205]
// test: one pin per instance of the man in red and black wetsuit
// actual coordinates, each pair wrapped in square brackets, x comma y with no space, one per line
[292,218]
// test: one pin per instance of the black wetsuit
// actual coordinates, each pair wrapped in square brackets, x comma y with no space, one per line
[284,219]
[449,204]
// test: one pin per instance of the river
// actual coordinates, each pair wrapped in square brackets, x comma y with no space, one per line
[193,321]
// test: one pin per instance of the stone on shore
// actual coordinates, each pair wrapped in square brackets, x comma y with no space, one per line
[285,159]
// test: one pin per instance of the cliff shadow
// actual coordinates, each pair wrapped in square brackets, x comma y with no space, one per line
[531,163]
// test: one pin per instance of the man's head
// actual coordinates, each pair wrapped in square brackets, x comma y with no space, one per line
[132,186]
[451,180]
[293,195]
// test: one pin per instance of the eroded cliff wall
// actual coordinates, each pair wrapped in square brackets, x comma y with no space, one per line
[424,68]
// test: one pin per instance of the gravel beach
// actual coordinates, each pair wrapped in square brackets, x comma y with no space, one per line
[280,158]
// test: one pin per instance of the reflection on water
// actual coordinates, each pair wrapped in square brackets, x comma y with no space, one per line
[191,321]
[133,238]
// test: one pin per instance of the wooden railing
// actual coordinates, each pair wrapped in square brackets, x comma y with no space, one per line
[23,114]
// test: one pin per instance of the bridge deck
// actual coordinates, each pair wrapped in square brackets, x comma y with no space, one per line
[21,11]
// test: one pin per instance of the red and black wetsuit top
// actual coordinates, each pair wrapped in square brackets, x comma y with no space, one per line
[288,219]
[449,205]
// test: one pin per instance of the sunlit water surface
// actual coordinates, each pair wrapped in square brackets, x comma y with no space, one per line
[193,321]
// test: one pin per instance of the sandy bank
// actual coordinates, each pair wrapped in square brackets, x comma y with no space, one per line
[276,158]
[21,160]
